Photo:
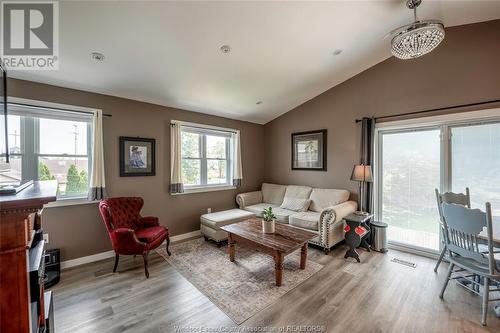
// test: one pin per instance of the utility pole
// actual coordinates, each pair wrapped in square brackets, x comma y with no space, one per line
[16,148]
[75,133]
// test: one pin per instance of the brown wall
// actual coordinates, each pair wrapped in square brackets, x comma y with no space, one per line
[464,69]
[78,230]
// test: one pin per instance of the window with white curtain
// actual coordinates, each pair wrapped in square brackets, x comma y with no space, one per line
[206,157]
[47,144]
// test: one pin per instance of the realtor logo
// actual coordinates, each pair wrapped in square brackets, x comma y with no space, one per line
[30,35]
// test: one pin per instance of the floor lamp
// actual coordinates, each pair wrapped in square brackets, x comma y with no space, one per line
[363,174]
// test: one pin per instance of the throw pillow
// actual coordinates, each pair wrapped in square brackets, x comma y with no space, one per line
[295,204]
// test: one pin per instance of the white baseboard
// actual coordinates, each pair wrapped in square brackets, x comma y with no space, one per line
[88,259]
[191,234]
[110,254]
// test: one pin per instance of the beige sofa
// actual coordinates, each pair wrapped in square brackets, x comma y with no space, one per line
[314,209]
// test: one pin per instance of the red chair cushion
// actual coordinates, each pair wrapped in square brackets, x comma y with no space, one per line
[152,234]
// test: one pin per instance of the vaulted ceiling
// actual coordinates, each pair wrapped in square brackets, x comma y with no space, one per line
[282,53]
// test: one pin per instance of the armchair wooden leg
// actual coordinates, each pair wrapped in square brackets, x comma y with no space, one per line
[168,244]
[145,257]
[117,258]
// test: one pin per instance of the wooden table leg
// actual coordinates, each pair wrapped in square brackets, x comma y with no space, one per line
[278,266]
[230,247]
[303,256]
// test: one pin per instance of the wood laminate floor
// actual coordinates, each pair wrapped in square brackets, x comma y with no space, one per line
[375,295]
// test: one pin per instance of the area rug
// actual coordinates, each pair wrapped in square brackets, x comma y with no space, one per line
[241,288]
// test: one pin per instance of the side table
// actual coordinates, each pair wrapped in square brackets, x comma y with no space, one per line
[356,234]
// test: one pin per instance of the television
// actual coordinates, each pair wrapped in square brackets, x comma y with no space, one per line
[3,107]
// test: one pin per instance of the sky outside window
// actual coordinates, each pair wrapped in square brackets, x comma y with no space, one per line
[63,137]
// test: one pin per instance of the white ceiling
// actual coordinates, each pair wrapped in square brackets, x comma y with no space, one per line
[282,52]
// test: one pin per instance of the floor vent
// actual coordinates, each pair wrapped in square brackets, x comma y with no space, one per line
[404,262]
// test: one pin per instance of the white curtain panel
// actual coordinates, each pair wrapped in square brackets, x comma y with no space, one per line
[237,170]
[176,185]
[97,189]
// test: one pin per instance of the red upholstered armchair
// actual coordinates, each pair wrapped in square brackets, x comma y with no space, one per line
[130,233]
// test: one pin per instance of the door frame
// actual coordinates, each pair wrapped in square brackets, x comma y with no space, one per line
[445,123]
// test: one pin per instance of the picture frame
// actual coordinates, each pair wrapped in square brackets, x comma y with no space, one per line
[309,150]
[137,156]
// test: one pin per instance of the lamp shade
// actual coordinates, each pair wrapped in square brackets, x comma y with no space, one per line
[362,173]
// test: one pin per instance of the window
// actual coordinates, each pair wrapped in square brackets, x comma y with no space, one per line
[449,153]
[475,163]
[49,144]
[206,157]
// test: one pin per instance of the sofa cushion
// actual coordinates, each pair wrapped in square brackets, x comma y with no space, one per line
[219,219]
[295,204]
[273,193]
[295,191]
[281,214]
[322,198]
[258,208]
[306,220]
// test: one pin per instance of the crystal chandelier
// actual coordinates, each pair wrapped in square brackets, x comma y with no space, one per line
[418,38]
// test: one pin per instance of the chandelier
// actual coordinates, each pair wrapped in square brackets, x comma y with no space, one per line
[418,38]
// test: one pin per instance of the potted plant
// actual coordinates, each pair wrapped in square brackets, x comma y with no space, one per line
[268,221]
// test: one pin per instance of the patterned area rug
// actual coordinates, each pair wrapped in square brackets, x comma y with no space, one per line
[240,289]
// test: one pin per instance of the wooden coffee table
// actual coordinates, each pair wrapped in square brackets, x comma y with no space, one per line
[284,241]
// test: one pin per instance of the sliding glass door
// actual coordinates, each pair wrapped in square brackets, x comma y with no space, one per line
[475,163]
[410,171]
[411,162]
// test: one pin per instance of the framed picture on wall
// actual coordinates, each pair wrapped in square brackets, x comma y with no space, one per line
[309,150]
[137,157]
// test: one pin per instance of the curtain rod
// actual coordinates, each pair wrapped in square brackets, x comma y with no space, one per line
[56,109]
[209,127]
[434,110]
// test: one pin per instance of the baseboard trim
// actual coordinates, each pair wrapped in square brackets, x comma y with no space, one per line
[110,254]
[87,259]
[191,234]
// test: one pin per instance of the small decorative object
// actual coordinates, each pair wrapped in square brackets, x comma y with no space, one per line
[309,150]
[268,221]
[361,173]
[137,157]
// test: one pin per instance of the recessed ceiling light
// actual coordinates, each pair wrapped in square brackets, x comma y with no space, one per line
[97,56]
[225,48]
[337,52]
[259,102]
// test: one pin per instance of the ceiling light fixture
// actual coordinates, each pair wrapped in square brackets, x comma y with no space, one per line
[418,38]
[97,56]
[225,49]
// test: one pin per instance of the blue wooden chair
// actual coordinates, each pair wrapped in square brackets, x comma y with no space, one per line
[462,226]
[449,197]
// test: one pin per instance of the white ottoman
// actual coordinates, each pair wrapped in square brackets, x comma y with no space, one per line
[211,223]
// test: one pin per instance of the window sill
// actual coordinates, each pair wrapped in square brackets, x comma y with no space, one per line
[62,202]
[202,189]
